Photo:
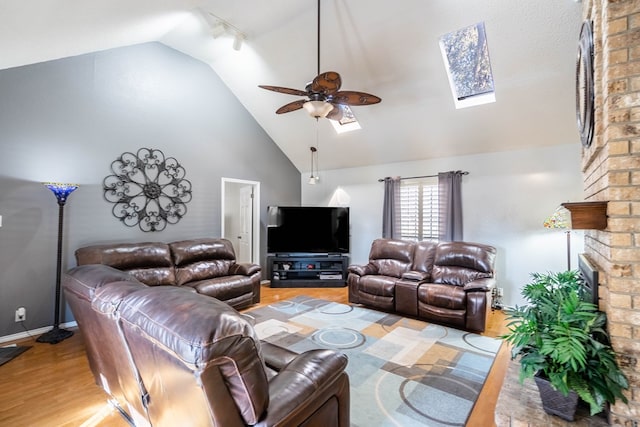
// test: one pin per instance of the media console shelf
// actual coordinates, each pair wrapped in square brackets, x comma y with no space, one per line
[307,271]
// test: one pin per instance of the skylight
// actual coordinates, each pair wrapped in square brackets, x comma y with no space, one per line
[465,53]
[347,123]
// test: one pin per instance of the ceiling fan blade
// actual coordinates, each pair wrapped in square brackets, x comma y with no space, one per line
[286,90]
[327,83]
[349,97]
[336,113]
[292,106]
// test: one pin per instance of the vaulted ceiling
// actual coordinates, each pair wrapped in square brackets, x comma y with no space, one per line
[386,48]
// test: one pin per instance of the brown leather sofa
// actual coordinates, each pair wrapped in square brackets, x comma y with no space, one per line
[171,357]
[206,265]
[445,282]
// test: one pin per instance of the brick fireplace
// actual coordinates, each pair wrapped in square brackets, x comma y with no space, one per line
[611,172]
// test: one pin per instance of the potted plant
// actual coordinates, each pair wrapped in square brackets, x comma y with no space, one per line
[561,338]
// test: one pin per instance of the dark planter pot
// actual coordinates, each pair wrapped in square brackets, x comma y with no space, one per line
[556,403]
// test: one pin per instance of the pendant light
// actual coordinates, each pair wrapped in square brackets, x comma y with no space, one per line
[313,179]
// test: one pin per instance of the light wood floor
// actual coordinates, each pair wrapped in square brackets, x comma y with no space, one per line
[51,385]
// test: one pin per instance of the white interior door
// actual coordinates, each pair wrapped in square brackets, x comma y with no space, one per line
[245,234]
[240,221]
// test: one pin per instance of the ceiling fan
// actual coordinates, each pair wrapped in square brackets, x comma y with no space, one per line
[323,95]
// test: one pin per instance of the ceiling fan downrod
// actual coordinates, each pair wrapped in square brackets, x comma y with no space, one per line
[318,50]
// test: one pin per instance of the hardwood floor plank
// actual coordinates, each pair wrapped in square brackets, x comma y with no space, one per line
[53,385]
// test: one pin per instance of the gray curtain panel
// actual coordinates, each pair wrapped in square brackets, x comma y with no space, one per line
[391,208]
[450,200]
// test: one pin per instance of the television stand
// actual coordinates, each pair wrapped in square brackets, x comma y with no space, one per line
[307,270]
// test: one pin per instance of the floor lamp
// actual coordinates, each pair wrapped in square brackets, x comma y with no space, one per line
[561,219]
[61,191]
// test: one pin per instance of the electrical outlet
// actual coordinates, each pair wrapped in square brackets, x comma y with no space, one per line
[500,292]
[21,314]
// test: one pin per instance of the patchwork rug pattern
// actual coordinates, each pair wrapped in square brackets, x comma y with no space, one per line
[403,372]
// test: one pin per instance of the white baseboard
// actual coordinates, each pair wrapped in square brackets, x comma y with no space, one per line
[34,333]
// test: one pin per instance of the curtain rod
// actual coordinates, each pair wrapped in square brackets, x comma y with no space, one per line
[423,176]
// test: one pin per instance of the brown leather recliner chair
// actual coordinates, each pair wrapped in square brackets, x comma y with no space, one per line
[445,282]
[197,361]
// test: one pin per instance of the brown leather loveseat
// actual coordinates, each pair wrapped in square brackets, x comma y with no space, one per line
[206,265]
[171,357]
[442,282]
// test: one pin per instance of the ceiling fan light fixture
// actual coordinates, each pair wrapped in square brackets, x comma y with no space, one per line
[317,108]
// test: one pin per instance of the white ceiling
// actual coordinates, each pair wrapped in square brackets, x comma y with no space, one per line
[386,48]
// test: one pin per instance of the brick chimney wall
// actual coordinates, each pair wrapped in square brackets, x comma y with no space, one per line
[611,172]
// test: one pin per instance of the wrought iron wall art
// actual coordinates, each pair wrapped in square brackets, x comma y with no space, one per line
[147,189]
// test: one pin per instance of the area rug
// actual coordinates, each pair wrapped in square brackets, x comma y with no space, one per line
[403,372]
[11,352]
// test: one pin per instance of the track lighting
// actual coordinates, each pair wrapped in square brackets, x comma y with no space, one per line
[219,27]
[237,41]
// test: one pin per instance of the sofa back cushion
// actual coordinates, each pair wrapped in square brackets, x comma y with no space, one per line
[392,257]
[458,263]
[424,256]
[200,259]
[149,262]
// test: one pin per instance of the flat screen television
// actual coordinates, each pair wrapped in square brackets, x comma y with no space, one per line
[305,229]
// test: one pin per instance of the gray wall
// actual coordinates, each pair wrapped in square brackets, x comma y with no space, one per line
[67,120]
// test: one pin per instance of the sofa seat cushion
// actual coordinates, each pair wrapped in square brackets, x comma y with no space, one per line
[377,291]
[155,276]
[458,276]
[446,316]
[444,296]
[223,288]
[202,270]
[383,286]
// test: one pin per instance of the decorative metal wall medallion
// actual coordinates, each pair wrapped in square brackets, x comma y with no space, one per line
[147,189]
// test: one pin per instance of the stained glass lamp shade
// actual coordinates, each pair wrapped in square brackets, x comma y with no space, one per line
[55,335]
[61,191]
[561,219]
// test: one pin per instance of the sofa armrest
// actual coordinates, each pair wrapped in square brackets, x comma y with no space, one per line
[244,269]
[293,390]
[276,357]
[363,270]
[485,284]
[416,276]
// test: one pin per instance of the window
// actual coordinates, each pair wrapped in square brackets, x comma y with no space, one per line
[466,56]
[347,123]
[419,209]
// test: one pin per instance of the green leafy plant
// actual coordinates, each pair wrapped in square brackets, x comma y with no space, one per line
[561,337]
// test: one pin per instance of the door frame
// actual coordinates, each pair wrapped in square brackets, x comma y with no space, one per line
[255,233]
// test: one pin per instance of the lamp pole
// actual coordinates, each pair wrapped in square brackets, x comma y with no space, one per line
[568,250]
[55,335]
